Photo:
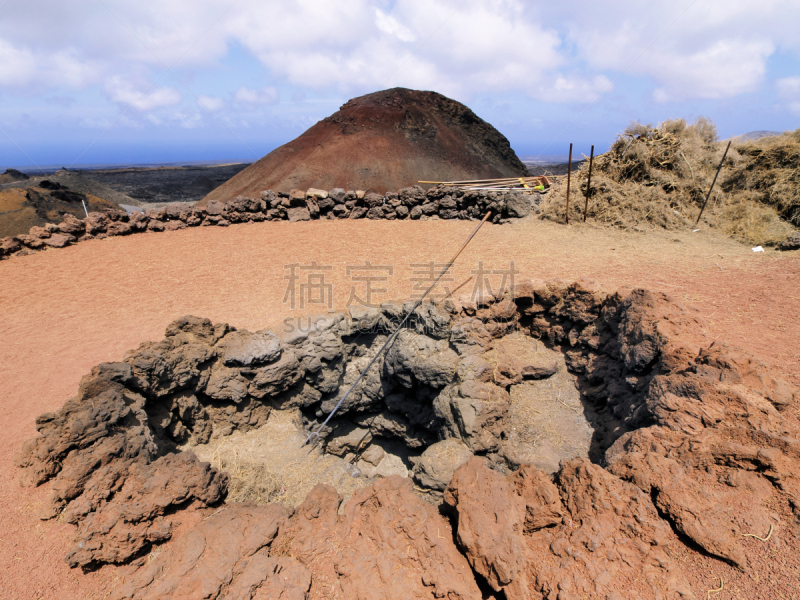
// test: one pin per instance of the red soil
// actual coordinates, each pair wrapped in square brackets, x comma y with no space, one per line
[63,311]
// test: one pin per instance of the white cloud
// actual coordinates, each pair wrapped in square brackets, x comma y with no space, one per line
[554,52]
[391,26]
[789,90]
[575,89]
[141,97]
[268,95]
[788,87]
[22,68]
[212,103]
[16,66]
[462,49]
[707,50]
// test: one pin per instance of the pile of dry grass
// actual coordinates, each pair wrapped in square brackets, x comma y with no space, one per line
[271,463]
[250,481]
[659,177]
[770,170]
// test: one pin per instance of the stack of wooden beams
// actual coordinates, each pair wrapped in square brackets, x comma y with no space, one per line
[520,184]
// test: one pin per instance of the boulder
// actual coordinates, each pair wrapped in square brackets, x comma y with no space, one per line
[313,207]
[175,225]
[790,243]
[376,212]
[337,195]
[317,194]
[518,205]
[59,240]
[277,377]
[417,359]
[490,523]
[358,212]
[435,468]
[346,439]
[96,223]
[517,357]
[72,225]
[121,526]
[118,228]
[244,349]
[296,198]
[300,213]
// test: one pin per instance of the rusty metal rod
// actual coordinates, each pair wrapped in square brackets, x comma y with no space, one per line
[711,189]
[315,434]
[569,176]
[588,185]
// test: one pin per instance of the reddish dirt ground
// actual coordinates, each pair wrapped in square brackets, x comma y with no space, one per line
[63,311]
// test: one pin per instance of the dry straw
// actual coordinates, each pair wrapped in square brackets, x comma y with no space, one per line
[658,177]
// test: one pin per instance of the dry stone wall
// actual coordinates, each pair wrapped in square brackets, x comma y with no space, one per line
[408,203]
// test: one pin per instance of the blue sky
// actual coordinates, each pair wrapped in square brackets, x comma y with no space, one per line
[113,81]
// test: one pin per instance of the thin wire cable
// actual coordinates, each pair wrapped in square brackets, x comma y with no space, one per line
[13,141]
[315,434]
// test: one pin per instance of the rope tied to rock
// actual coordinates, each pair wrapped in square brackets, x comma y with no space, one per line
[395,333]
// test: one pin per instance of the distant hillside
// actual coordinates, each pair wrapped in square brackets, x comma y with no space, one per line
[754,135]
[43,202]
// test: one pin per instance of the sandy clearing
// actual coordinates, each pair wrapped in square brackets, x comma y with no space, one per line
[63,311]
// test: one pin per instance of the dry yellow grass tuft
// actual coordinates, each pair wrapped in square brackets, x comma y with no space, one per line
[250,481]
[271,464]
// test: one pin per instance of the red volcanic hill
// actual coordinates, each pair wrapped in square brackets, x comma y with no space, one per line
[380,142]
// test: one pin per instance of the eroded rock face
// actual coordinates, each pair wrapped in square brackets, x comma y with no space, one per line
[388,543]
[577,538]
[227,555]
[685,438]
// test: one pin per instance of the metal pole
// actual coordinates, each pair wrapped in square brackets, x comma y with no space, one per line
[396,331]
[588,185]
[569,175]
[719,168]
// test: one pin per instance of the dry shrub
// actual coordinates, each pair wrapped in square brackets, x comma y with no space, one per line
[250,481]
[771,168]
[658,177]
[754,222]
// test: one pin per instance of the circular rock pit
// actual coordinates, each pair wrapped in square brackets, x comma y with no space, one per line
[566,441]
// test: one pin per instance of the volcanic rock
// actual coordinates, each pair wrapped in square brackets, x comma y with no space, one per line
[435,468]
[12,175]
[376,557]
[384,141]
[226,547]
[790,243]
[48,202]
[693,445]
